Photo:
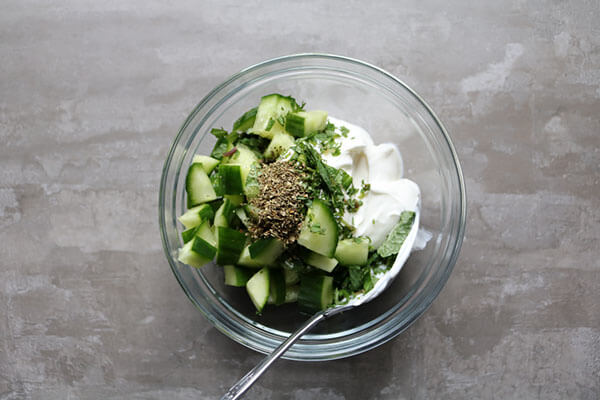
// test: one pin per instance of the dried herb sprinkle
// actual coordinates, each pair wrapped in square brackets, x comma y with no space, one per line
[280,201]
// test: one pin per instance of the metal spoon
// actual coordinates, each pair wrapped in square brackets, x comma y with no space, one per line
[248,380]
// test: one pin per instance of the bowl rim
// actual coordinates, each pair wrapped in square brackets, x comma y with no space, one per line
[420,308]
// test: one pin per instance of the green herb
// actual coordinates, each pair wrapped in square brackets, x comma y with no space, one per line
[393,241]
[344,131]
[247,116]
[219,133]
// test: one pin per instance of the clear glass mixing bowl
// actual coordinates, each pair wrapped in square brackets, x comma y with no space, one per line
[391,112]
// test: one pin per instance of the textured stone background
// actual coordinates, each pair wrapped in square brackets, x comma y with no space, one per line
[91,94]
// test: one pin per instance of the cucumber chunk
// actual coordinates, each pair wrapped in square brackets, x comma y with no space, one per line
[235,199]
[319,231]
[224,213]
[291,293]
[189,234]
[264,256]
[230,244]
[291,276]
[246,121]
[304,123]
[316,292]
[188,256]
[198,186]
[354,251]
[236,276]
[321,262]
[258,288]
[244,157]
[203,248]
[277,286]
[271,112]
[205,232]
[231,179]
[196,215]
[208,163]
[279,145]
[241,214]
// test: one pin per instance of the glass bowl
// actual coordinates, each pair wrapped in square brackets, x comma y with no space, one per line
[390,111]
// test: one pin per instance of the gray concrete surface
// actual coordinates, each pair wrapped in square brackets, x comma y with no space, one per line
[91,94]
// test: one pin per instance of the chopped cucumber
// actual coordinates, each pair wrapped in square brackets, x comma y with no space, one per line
[291,295]
[196,215]
[230,244]
[316,292]
[205,232]
[277,286]
[279,145]
[189,234]
[231,179]
[244,157]
[236,276]
[291,276]
[224,213]
[203,248]
[258,288]
[319,231]
[241,214]
[199,249]
[235,199]
[321,262]
[304,123]
[246,121]
[208,163]
[198,186]
[264,256]
[190,257]
[354,251]
[271,112]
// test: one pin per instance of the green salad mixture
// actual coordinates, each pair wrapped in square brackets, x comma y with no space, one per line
[267,208]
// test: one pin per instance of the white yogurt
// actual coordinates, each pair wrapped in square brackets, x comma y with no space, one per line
[381,167]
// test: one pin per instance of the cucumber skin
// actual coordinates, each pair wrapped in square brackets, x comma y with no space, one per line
[231,179]
[203,248]
[230,244]
[189,257]
[236,276]
[316,292]
[277,287]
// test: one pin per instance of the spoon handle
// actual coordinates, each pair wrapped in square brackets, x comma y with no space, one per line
[248,380]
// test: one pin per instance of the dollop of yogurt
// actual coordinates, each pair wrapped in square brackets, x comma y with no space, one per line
[379,165]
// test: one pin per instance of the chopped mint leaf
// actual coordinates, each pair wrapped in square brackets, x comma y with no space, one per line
[220,148]
[219,133]
[244,122]
[393,241]
[356,275]
[344,131]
